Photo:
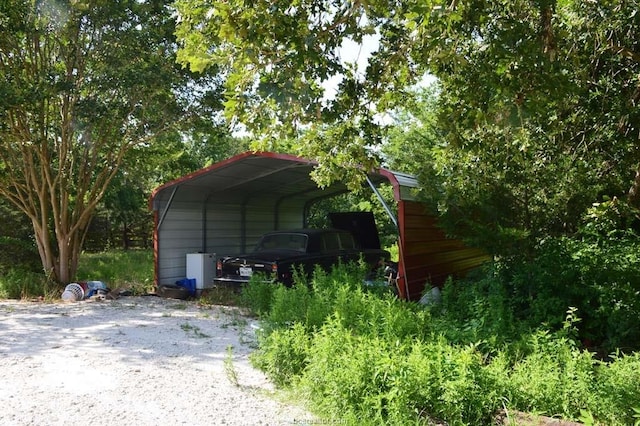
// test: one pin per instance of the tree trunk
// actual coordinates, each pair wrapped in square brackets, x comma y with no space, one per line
[634,192]
[63,274]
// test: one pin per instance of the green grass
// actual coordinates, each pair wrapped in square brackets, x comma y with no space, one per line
[22,284]
[131,269]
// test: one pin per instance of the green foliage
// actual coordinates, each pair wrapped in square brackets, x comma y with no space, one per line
[366,358]
[479,311]
[597,278]
[132,269]
[101,89]
[517,105]
[17,245]
[553,378]
[610,219]
[18,283]
[290,50]
[229,368]
[18,252]
[257,296]
[534,117]
[283,353]
[618,389]
[290,305]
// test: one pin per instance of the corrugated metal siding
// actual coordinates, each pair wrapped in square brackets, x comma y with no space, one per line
[231,228]
[180,233]
[428,256]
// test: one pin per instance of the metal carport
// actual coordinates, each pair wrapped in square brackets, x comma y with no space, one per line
[226,207]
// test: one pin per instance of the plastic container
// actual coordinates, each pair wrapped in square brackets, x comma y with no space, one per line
[73,292]
[94,287]
[189,284]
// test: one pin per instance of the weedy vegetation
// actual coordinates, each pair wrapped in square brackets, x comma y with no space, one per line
[229,367]
[534,337]
[194,331]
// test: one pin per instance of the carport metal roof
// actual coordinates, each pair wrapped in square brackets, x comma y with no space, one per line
[265,174]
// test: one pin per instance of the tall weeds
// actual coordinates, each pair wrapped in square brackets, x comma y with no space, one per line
[364,357]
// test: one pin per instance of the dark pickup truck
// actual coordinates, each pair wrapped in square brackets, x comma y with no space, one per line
[278,253]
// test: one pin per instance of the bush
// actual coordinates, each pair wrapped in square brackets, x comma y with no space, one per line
[257,295]
[366,358]
[504,300]
[617,384]
[282,354]
[349,376]
[23,284]
[554,378]
[477,311]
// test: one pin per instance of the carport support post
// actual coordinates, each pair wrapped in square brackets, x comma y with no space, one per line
[395,222]
[384,203]
[166,209]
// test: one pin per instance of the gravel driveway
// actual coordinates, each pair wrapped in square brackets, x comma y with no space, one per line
[133,361]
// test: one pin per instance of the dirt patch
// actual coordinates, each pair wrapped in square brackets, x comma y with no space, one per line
[133,361]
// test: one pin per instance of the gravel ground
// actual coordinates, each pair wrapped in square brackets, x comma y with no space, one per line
[133,361]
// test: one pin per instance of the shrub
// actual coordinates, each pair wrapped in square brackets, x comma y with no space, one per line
[22,284]
[390,381]
[617,397]
[450,383]
[477,311]
[257,295]
[553,378]
[348,375]
[289,305]
[599,279]
[369,358]
[282,354]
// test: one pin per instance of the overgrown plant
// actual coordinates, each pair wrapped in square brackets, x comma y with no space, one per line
[131,269]
[229,368]
[22,284]
[371,359]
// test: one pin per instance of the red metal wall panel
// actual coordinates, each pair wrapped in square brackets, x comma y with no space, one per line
[427,256]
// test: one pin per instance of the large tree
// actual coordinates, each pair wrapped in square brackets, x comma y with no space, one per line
[538,113]
[82,82]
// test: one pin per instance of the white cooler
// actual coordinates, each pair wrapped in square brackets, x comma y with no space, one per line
[201,267]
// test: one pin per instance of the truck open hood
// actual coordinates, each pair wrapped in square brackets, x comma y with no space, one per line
[361,224]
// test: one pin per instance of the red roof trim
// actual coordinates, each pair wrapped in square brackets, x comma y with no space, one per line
[222,164]
[383,172]
[393,180]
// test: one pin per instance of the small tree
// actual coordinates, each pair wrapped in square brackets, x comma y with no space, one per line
[81,83]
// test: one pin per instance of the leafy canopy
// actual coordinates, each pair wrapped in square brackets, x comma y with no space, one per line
[537,113]
[278,58]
